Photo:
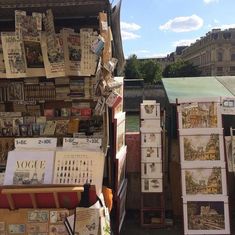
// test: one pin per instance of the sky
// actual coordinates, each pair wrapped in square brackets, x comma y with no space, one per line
[153,28]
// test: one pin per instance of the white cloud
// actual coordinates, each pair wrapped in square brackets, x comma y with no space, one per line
[210,1]
[183,42]
[226,26]
[129,35]
[127,31]
[183,24]
[130,26]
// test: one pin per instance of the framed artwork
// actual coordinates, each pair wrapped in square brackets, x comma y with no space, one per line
[151,154]
[206,217]
[150,139]
[151,170]
[120,122]
[199,115]
[151,124]
[120,169]
[79,167]
[203,147]
[121,206]
[154,185]
[29,167]
[204,181]
[149,109]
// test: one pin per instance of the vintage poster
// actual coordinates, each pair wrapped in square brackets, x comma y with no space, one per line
[199,115]
[150,124]
[2,64]
[89,60]
[79,167]
[29,167]
[86,221]
[14,55]
[206,217]
[204,147]
[53,57]
[204,181]
[72,52]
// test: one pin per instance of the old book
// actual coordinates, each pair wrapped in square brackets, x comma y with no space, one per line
[2,64]
[73,125]
[61,127]
[49,129]
[29,167]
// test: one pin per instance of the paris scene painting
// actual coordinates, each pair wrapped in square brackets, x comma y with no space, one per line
[203,181]
[206,215]
[200,115]
[201,147]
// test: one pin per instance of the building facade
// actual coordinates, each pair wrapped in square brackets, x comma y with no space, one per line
[213,53]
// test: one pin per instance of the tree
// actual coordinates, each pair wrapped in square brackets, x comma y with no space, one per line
[132,68]
[151,71]
[181,69]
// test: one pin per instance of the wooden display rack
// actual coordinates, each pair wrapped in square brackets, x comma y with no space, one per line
[46,196]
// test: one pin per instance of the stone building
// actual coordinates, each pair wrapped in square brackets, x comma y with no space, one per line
[213,53]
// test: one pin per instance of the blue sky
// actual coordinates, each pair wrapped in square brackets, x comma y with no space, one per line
[153,28]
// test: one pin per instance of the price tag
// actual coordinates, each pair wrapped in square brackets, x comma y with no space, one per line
[35,143]
[87,143]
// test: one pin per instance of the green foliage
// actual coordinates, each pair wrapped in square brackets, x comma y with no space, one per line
[132,67]
[149,70]
[181,69]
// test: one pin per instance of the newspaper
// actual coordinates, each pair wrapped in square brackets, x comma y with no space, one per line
[89,59]
[28,30]
[53,57]
[14,55]
[72,52]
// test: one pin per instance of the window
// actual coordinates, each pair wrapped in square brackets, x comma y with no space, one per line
[233,57]
[220,56]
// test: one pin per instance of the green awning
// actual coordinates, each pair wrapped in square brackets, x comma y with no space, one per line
[196,87]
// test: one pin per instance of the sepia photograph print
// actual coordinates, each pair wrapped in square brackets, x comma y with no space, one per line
[151,154]
[206,217]
[204,181]
[150,109]
[201,147]
[153,185]
[199,115]
[150,139]
[151,170]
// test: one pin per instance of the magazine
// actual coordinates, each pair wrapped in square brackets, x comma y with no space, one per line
[14,55]
[29,167]
[72,52]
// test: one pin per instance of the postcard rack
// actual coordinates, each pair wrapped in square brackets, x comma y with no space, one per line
[47,196]
[152,211]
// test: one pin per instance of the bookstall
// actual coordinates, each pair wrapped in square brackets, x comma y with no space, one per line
[203,108]
[62,124]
